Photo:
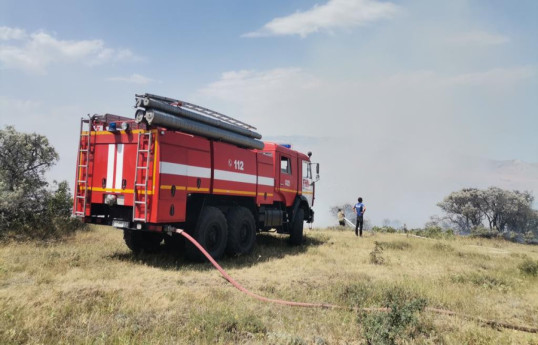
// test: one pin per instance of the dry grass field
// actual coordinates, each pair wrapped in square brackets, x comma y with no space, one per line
[90,289]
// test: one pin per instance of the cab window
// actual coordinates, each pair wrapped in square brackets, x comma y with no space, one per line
[285,165]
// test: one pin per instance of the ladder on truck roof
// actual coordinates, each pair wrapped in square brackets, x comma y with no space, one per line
[83,161]
[200,110]
[141,176]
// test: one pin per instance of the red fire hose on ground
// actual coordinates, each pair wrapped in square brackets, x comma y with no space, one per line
[238,286]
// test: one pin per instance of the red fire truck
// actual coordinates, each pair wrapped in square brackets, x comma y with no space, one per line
[179,165]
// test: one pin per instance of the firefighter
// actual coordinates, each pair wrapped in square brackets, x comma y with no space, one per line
[359,208]
[341,217]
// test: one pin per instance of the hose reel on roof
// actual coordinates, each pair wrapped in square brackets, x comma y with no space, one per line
[193,119]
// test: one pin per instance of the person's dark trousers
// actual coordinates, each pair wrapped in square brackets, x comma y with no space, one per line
[358,225]
[342,223]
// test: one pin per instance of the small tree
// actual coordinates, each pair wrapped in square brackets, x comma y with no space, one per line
[27,207]
[463,208]
[502,210]
[24,159]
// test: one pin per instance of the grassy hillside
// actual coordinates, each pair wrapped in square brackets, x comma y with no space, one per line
[91,289]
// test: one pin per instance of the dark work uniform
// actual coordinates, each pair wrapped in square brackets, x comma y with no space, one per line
[359,208]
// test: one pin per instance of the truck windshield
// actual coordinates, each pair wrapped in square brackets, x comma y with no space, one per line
[307,170]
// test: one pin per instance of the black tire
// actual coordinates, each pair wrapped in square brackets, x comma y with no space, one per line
[142,241]
[211,232]
[241,231]
[296,231]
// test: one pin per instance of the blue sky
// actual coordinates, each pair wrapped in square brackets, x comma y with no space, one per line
[402,102]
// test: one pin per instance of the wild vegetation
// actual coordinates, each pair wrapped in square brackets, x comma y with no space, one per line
[90,288]
[28,207]
[502,210]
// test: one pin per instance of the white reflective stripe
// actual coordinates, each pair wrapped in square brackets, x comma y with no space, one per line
[173,169]
[234,176]
[266,181]
[119,166]
[110,165]
[184,170]
[193,171]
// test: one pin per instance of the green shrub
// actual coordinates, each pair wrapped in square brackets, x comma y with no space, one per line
[400,323]
[480,231]
[512,236]
[376,257]
[384,229]
[529,267]
[49,219]
[529,237]
[434,232]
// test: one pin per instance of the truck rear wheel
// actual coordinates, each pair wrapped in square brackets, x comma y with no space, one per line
[296,233]
[211,232]
[139,241]
[241,231]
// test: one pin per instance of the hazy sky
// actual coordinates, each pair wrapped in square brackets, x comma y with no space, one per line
[401,102]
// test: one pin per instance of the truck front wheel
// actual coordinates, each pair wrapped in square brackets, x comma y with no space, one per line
[211,232]
[296,232]
[241,231]
[139,241]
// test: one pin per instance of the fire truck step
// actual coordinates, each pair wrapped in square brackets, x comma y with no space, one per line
[140,185]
